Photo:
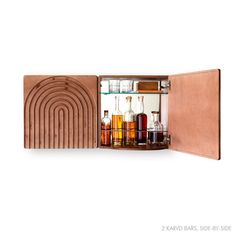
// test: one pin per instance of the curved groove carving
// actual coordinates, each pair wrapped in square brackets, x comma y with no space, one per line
[60,113]
[49,124]
[75,107]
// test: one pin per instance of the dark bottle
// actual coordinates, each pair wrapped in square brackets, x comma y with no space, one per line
[141,120]
[155,137]
[106,130]
[155,133]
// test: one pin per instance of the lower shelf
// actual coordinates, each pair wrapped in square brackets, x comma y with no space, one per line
[138,147]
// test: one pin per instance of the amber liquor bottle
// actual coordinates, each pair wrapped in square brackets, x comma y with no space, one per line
[117,123]
[129,125]
[141,120]
[106,130]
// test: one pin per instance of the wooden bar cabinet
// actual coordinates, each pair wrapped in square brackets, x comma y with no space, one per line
[64,111]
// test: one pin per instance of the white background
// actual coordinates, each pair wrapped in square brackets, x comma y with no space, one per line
[92,192]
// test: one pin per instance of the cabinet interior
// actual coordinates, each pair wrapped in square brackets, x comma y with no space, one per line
[155,99]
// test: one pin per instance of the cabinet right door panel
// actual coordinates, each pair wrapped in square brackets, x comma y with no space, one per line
[194,113]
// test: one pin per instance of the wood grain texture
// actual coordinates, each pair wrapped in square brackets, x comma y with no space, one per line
[60,111]
[194,113]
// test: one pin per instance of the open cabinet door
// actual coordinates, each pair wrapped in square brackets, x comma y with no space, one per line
[194,113]
[60,111]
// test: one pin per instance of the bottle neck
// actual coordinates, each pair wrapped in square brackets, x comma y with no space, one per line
[129,106]
[140,104]
[128,103]
[156,122]
[117,100]
[155,118]
[129,114]
[141,107]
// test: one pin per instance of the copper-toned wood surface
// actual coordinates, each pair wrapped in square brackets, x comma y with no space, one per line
[60,111]
[194,113]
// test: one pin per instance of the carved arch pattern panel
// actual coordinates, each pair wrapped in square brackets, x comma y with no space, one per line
[60,111]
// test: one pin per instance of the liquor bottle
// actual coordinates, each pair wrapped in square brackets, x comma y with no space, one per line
[106,130]
[155,133]
[141,120]
[117,122]
[129,125]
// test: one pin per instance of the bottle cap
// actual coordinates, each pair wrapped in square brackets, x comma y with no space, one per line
[140,98]
[129,98]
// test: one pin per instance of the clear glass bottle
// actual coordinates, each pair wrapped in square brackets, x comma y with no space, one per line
[106,130]
[117,123]
[129,125]
[155,133]
[141,120]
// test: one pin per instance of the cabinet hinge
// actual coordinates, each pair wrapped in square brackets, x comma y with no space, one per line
[168,139]
[166,85]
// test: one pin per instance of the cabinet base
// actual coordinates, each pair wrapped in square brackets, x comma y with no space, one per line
[138,147]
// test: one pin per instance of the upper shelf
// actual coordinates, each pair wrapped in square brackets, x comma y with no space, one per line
[134,86]
[149,92]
